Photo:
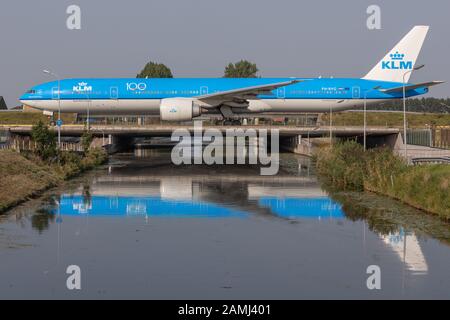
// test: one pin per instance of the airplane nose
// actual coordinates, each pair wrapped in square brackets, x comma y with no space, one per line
[30,103]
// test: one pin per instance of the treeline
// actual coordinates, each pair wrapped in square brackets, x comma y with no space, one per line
[240,69]
[428,105]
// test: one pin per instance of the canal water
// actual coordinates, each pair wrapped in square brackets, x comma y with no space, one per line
[141,227]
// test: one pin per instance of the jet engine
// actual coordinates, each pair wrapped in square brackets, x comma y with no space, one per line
[178,109]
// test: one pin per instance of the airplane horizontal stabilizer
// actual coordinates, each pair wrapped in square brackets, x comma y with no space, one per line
[412,86]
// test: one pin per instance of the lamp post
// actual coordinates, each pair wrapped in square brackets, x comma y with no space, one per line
[365,113]
[405,142]
[59,104]
[331,125]
[88,123]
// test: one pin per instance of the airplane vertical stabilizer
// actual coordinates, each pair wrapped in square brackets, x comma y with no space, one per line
[401,58]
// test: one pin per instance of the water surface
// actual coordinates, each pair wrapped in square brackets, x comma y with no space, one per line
[143,228]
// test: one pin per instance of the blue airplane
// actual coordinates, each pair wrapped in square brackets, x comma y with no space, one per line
[117,206]
[185,99]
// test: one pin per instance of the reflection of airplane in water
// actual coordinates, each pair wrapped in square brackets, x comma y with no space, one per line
[202,196]
[220,196]
[407,247]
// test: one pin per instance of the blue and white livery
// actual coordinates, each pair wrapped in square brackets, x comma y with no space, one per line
[185,99]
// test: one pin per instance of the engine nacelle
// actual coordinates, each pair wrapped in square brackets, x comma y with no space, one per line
[178,109]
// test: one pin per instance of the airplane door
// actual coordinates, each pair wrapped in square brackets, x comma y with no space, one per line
[114,93]
[55,93]
[203,90]
[281,93]
[356,92]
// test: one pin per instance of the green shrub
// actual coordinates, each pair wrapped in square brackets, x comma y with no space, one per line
[342,166]
[425,187]
[45,141]
[347,167]
[86,140]
[382,170]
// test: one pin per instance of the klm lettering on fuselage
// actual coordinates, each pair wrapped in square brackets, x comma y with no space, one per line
[397,63]
[82,87]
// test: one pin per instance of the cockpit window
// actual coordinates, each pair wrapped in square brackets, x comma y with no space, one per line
[31,91]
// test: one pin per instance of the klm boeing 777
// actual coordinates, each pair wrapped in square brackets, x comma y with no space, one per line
[185,99]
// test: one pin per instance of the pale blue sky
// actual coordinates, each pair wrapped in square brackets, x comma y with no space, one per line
[199,37]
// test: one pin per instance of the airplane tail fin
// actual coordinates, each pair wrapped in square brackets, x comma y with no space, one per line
[401,58]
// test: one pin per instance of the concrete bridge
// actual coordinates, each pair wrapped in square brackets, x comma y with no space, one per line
[292,138]
[166,130]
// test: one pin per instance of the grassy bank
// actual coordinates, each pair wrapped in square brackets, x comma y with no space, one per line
[347,167]
[23,176]
[19,117]
[388,216]
[388,119]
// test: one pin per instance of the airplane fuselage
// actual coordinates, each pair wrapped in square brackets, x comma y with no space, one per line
[137,96]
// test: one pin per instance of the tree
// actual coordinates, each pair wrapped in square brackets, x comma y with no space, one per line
[45,141]
[155,70]
[241,69]
[431,105]
[86,140]
[40,221]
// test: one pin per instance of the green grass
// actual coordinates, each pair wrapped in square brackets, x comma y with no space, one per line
[387,119]
[19,117]
[423,187]
[347,167]
[23,177]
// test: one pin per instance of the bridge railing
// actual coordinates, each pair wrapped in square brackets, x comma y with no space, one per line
[435,160]
[437,137]
[24,144]
[420,137]
[441,137]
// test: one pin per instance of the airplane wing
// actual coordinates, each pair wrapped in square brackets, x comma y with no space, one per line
[245,93]
[412,87]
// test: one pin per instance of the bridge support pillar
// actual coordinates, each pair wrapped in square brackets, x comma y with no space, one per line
[113,144]
[298,144]
[392,141]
